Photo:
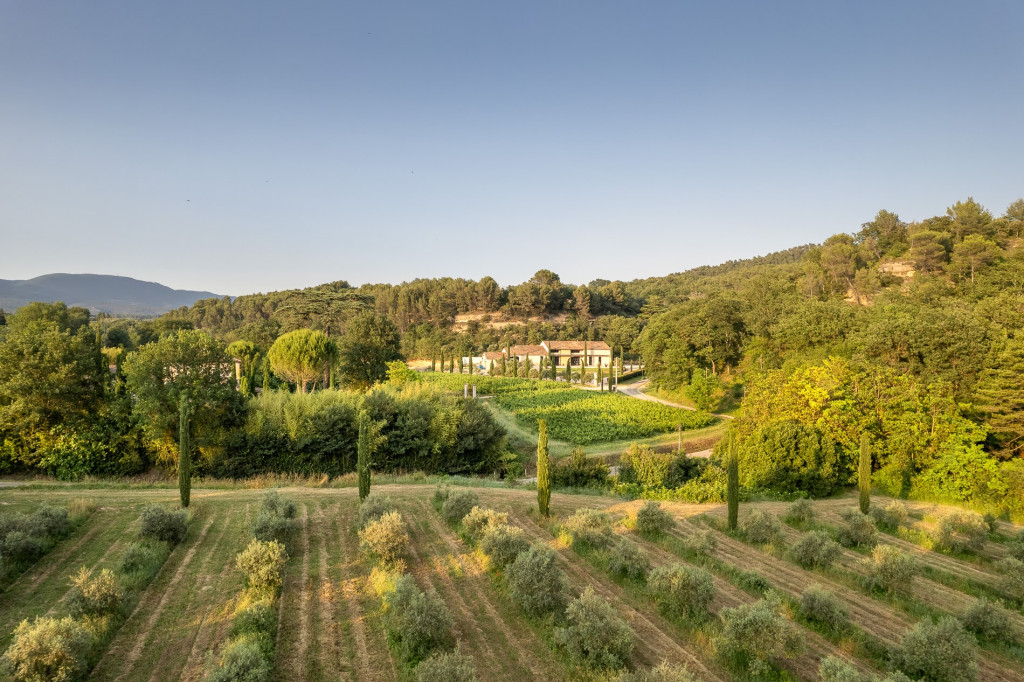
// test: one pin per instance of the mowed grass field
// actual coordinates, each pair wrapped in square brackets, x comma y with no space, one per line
[330,625]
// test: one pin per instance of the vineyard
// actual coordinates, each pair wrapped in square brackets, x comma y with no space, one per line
[575,415]
[416,582]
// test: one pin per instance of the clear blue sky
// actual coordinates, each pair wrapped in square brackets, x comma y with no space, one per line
[252,146]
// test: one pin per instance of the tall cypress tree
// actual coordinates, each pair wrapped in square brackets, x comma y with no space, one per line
[363,454]
[451,365]
[433,362]
[490,368]
[864,473]
[554,369]
[266,374]
[501,365]
[184,451]
[733,485]
[442,361]
[543,468]
[515,365]
[600,378]
[568,370]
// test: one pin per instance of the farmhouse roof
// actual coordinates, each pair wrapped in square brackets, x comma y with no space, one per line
[528,350]
[493,355]
[577,345]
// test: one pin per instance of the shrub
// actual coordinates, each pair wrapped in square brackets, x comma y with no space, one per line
[503,543]
[136,557]
[242,660]
[666,672]
[261,563]
[789,457]
[273,503]
[160,524]
[992,522]
[47,649]
[938,652]
[458,504]
[759,526]
[752,580]
[820,606]
[267,526]
[760,632]
[479,519]
[701,542]
[891,516]
[835,669]
[627,559]
[1012,580]
[801,511]
[94,596]
[417,623]
[54,521]
[682,590]
[441,493]
[589,527]
[989,621]
[890,569]
[374,507]
[1016,547]
[815,549]
[652,520]
[961,531]
[256,620]
[450,666]
[536,584]
[579,471]
[859,530]
[595,635]
[385,538]
[20,547]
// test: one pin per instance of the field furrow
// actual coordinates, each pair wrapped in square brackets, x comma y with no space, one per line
[293,626]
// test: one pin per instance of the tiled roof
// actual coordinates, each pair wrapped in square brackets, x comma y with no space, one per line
[529,350]
[577,345]
[493,355]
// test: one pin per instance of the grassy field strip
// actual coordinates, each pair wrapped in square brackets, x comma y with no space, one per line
[429,566]
[654,643]
[372,660]
[336,635]
[324,643]
[130,643]
[215,619]
[533,654]
[294,606]
[871,615]
[45,584]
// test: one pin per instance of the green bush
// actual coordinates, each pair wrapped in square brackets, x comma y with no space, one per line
[374,507]
[536,583]
[701,542]
[54,521]
[759,632]
[590,527]
[1012,580]
[579,471]
[937,652]
[991,521]
[595,635]
[458,504]
[652,520]
[386,538]
[267,526]
[261,563]
[859,531]
[890,569]
[989,621]
[479,519]
[789,457]
[20,547]
[242,660]
[625,558]
[891,516]
[961,531]
[815,548]
[682,590]
[820,606]
[158,523]
[47,649]
[503,543]
[760,527]
[835,669]
[256,621]
[441,493]
[1016,547]
[273,503]
[417,623]
[800,512]
[94,596]
[666,672]
[446,666]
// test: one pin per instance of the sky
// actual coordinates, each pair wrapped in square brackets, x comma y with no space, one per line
[239,147]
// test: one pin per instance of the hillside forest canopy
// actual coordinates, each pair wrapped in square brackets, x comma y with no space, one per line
[911,333]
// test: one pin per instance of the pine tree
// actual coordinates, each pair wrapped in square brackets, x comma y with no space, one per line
[733,485]
[543,468]
[184,451]
[864,473]
[1001,399]
[363,445]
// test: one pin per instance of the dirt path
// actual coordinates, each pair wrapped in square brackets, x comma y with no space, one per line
[293,625]
[636,390]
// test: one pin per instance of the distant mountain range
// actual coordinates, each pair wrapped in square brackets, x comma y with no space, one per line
[99,293]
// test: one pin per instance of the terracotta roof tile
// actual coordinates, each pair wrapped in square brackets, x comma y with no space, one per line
[529,350]
[577,345]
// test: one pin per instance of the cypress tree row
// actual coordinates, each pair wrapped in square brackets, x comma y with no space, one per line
[184,451]
[733,485]
[363,455]
[543,468]
[864,474]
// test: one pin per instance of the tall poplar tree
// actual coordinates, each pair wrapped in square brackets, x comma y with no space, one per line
[543,468]
[864,474]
